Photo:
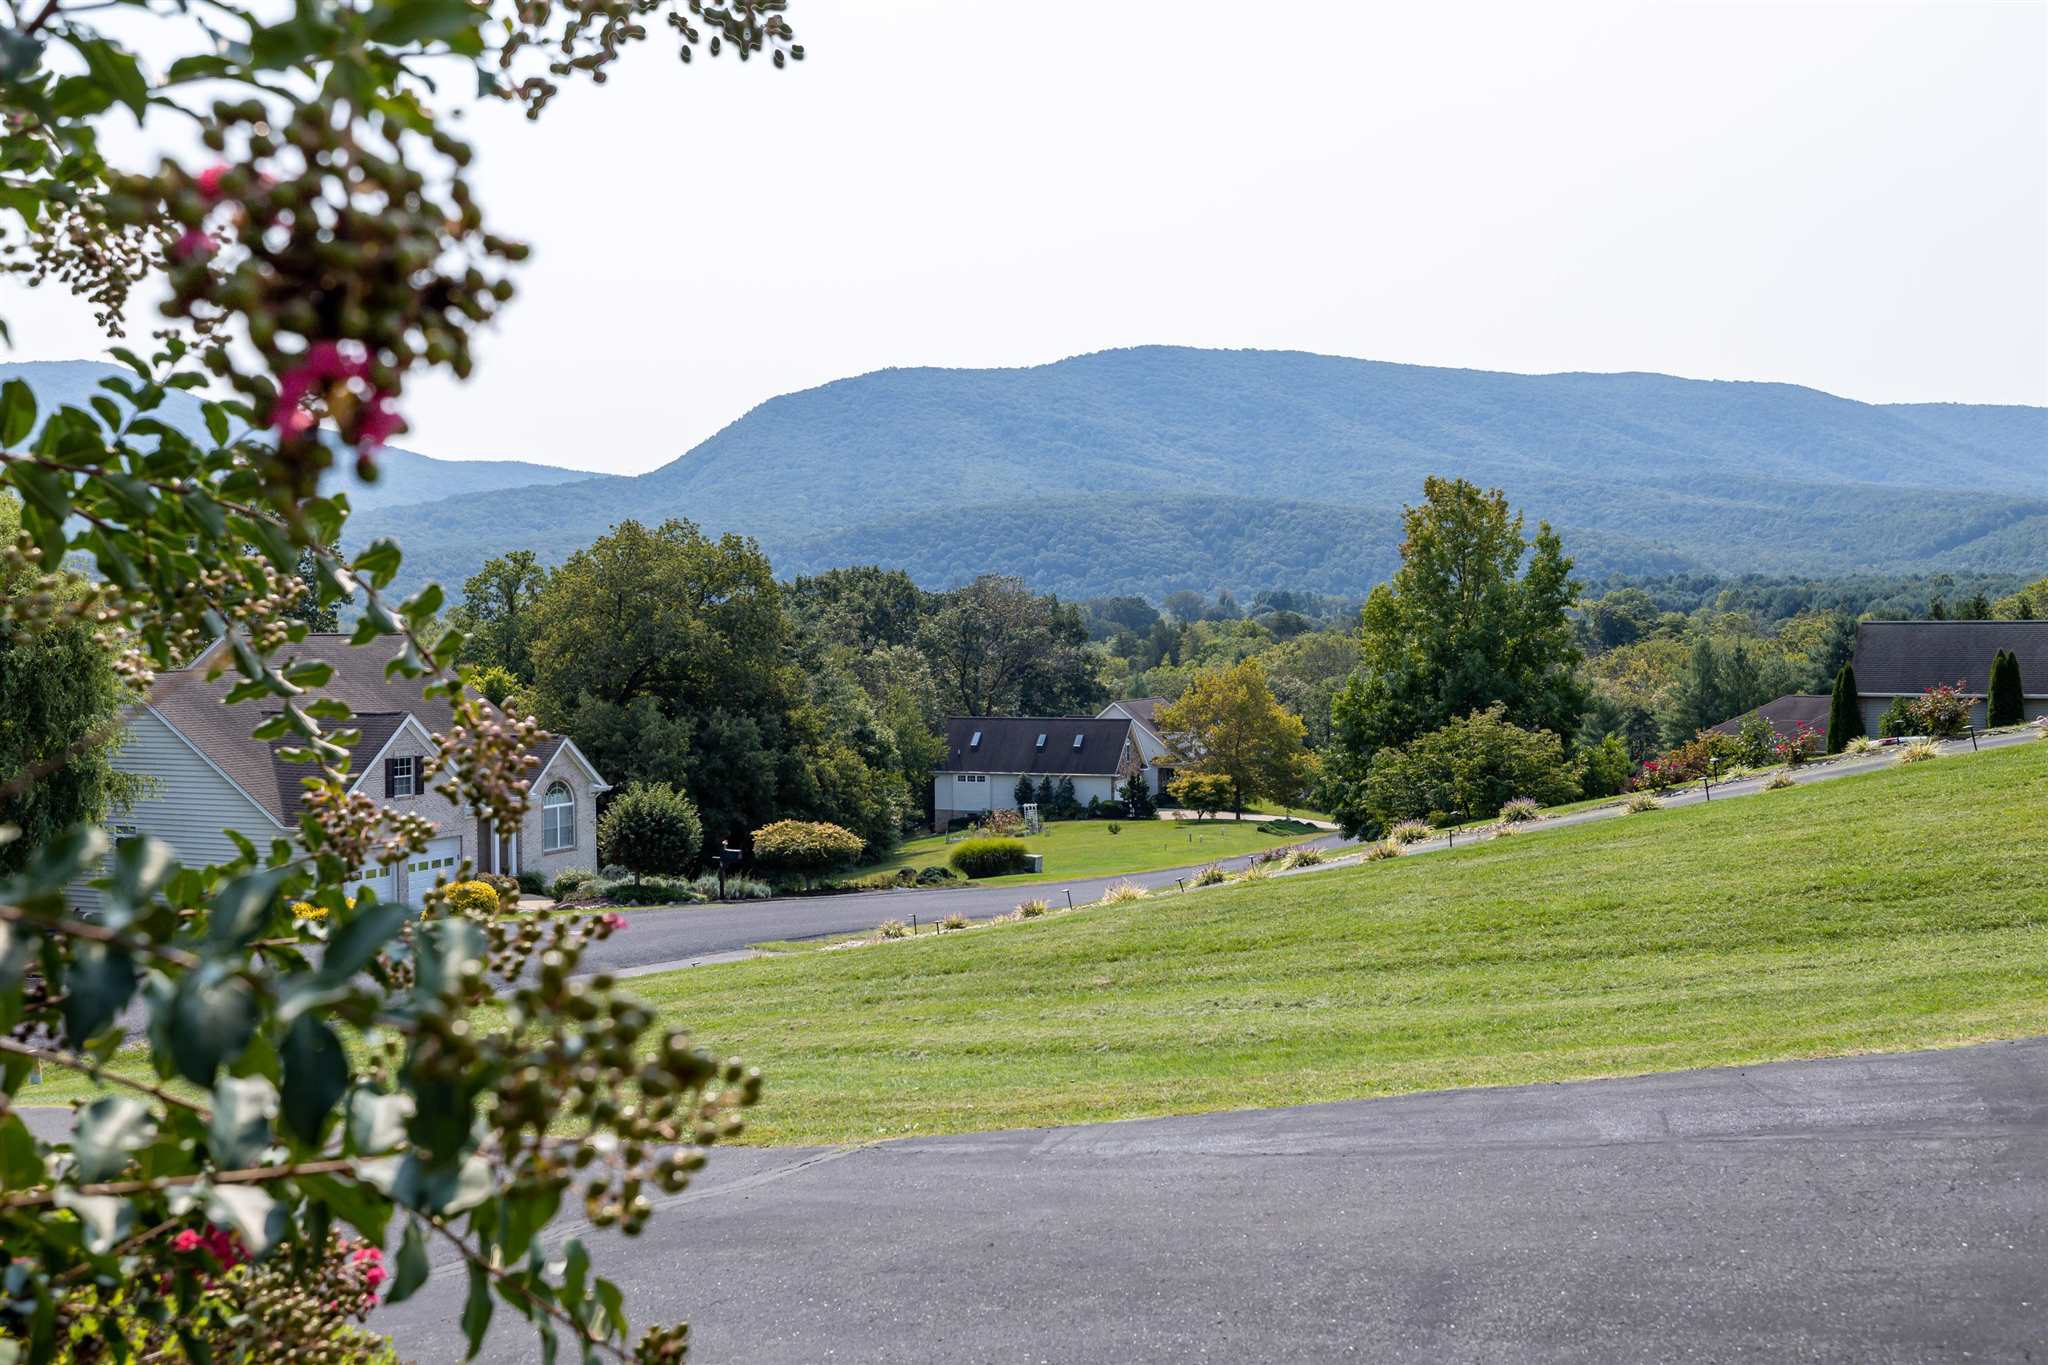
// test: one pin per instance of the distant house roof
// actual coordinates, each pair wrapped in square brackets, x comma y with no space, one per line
[1785,714]
[195,707]
[1010,744]
[1905,658]
[1144,710]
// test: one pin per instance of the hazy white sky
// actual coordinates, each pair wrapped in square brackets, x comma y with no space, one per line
[1853,197]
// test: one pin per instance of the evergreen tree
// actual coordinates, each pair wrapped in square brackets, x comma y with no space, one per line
[1044,797]
[2005,704]
[1845,717]
[1138,800]
[1023,795]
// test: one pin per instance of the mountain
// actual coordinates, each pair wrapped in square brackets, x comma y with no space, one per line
[404,477]
[1158,468]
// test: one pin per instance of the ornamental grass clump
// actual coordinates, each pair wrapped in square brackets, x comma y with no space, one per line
[1862,744]
[1255,873]
[1306,857]
[1122,893]
[1520,811]
[1381,851]
[1639,802]
[892,928]
[1410,831]
[1919,751]
[956,920]
[1032,908]
[1212,875]
[1779,782]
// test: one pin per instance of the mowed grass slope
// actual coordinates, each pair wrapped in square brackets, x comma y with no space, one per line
[1086,848]
[1902,909]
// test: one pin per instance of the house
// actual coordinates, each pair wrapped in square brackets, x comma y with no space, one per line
[986,755]
[209,775]
[1787,715]
[1142,712]
[1905,658]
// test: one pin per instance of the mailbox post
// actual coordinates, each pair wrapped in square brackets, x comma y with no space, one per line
[728,856]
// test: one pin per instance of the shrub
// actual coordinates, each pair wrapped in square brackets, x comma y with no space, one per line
[1845,716]
[532,883]
[1862,744]
[1211,875]
[1640,802]
[1520,811]
[1122,893]
[1005,824]
[649,891]
[472,898]
[1919,751]
[1409,832]
[1605,768]
[1755,741]
[1255,873]
[506,887]
[1794,749]
[1202,793]
[805,848]
[1306,857]
[1032,908]
[1481,760]
[935,875]
[651,830]
[1897,719]
[892,928]
[2006,702]
[572,882]
[1287,827]
[989,857]
[1779,781]
[1114,828]
[1941,712]
[737,888]
[1137,800]
[956,920]
[1504,827]
[1384,849]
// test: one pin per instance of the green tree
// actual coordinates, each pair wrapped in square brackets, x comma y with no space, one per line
[1228,723]
[496,613]
[1138,800]
[2005,704]
[997,649]
[1604,769]
[1845,716]
[651,830]
[323,252]
[863,606]
[62,701]
[1477,614]
[1473,766]
[1202,793]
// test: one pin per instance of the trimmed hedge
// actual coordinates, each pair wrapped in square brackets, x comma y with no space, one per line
[989,857]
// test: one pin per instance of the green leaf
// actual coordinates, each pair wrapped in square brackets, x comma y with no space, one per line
[315,1076]
[141,866]
[212,1018]
[105,1218]
[237,915]
[354,1203]
[410,1269]
[351,947]
[200,68]
[110,1130]
[216,420]
[421,606]
[116,71]
[444,948]
[250,1211]
[376,1123]
[476,1311]
[419,21]
[379,562]
[20,54]
[21,1162]
[17,412]
[242,1110]
[98,983]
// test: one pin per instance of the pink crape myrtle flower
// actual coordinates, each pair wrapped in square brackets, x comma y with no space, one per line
[209,180]
[614,921]
[194,243]
[187,1240]
[324,363]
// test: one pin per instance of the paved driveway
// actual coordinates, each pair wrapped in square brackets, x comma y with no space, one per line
[1863,1209]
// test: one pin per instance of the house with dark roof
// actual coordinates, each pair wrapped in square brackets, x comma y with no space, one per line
[1905,658]
[986,755]
[1788,716]
[1143,713]
[210,775]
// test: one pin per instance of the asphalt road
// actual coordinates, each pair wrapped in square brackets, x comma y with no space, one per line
[1862,1209]
[660,940]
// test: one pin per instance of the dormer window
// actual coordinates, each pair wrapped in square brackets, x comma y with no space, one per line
[1041,742]
[975,741]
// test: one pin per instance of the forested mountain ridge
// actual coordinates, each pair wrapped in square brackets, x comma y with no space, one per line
[1158,468]
[405,477]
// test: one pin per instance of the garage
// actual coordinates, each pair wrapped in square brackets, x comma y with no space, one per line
[438,862]
[377,878]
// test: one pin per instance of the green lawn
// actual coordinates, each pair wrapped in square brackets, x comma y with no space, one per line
[1900,909]
[1906,908]
[1086,848]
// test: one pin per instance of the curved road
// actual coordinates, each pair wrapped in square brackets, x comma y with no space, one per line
[661,940]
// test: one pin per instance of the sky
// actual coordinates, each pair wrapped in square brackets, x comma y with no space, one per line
[1852,197]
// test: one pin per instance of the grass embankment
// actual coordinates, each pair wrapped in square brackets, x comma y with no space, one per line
[1906,908]
[1901,909]
[1086,848]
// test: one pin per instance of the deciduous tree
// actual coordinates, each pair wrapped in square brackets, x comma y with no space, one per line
[1227,723]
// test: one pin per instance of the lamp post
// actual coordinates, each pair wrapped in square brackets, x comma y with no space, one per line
[1454,817]
[1713,767]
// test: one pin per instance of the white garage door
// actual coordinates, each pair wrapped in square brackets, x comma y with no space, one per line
[438,861]
[378,879]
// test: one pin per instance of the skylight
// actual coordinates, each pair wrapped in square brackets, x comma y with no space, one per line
[1041,742]
[1077,741]
[975,743]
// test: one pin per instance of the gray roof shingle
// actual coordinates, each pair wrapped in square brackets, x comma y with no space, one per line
[1905,658]
[1009,744]
[1785,714]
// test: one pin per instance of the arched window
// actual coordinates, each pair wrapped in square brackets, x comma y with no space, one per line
[558,818]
